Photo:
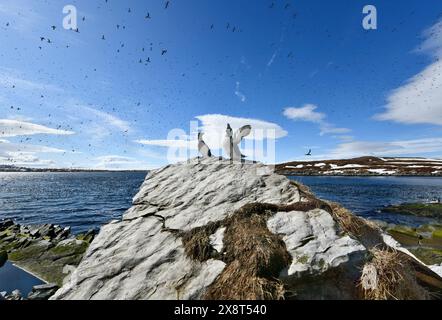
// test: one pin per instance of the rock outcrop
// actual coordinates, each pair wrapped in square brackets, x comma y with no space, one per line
[209,229]
[47,251]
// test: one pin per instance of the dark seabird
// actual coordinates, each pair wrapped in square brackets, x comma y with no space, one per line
[202,146]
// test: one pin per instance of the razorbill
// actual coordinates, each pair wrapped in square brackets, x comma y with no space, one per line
[202,146]
[232,140]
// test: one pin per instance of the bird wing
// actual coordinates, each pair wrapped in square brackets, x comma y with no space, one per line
[241,133]
[204,149]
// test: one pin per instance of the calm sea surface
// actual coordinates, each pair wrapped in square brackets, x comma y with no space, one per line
[80,200]
[365,196]
[88,200]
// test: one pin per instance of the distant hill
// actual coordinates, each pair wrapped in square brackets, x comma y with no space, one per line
[364,166]
[11,168]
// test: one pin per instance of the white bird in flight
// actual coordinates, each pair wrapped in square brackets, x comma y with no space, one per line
[232,140]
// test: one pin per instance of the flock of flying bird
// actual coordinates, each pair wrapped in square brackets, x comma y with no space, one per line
[48,40]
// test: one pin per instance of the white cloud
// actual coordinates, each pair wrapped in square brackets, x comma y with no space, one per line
[388,148]
[108,118]
[25,154]
[239,94]
[272,59]
[13,128]
[11,77]
[178,143]
[304,113]
[115,162]
[419,100]
[308,113]
[214,128]
[20,14]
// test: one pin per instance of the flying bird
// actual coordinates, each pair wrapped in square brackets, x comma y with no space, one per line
[167,5]
[202,146]
[309,153]
[163,52]
[54,27]
[231,141]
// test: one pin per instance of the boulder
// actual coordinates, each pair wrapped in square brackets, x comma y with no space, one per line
[42,292]
[62,234]
[5,224]
[15,295]
[211,229]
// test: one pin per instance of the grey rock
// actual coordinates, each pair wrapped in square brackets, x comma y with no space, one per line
[5,224]
[15,295]
[9,238]
[42,292]
[62,234]
[47,230]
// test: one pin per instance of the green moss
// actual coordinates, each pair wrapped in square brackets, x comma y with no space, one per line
[302,259]
[69,249]
[31,252]
[427,255]
[321,263]
[437,233]
[433,210]
[47,261]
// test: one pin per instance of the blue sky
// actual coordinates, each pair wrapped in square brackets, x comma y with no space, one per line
[306,69]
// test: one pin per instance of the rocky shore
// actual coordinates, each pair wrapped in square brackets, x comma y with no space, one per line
[424,241]
[209,229]
[48,252]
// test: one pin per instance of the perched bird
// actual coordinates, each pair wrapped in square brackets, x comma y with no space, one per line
[309,153]
[202,146]
[231,141]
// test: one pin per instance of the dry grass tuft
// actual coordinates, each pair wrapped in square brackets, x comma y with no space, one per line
[365,231]
[254,258]
[390,276]
[197,243]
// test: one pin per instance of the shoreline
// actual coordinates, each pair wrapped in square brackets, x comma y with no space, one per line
[28,272]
